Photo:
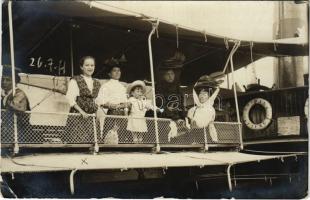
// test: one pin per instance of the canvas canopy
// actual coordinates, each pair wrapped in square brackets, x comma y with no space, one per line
[51,36]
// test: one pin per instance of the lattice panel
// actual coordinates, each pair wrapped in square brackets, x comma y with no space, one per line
[116,130]
[218,132]
[111,130]
[7,127]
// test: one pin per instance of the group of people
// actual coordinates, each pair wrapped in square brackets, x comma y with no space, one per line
[86,95]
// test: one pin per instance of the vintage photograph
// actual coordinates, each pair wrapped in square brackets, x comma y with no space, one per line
[154,99]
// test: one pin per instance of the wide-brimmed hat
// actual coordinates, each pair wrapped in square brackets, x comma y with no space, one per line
[114,62]
[174,62]
[206,81]
[135,84]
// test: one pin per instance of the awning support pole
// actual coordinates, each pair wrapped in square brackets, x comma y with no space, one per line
[72,181]
[206,147]
[154,27]
[96,147]
[71,51]
[229,177]
[16,147]
[235,93]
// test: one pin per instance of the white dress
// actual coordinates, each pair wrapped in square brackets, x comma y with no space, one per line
[202,115]
[136,121]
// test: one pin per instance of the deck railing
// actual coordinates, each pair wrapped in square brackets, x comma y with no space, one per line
[63,129]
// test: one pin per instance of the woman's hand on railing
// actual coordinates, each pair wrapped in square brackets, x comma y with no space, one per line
[84,114]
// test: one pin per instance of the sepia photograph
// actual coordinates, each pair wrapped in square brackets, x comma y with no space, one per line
[154,99]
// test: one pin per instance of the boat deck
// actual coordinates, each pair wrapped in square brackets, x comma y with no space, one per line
[123,161]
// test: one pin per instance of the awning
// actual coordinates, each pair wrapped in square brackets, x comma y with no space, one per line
[123,161]
[44,28]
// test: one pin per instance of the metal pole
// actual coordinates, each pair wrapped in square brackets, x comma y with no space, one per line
[229,177]
[16,147]
[154,26]
[72,181]
[235,95]
[206,147]
[71,51]
[96,147]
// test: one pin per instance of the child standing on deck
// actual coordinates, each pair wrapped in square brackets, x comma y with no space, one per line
[203,114]
[139,105]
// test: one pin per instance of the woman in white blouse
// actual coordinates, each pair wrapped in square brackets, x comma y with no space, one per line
[113,98]
[112,95]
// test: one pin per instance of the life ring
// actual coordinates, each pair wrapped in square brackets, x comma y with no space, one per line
[246,112]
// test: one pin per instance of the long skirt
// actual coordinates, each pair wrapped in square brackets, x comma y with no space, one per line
[114,127]
[79,130]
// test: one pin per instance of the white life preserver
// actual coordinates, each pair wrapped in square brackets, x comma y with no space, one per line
[246,112]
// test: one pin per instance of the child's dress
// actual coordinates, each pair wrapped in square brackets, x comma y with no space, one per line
[204,114]
[138,110]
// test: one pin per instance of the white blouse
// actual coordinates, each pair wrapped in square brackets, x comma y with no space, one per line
[139,107]
[111,92]
[73,89]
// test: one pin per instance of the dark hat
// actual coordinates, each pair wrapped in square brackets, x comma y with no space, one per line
[174,62]
[206,82]
[114,62]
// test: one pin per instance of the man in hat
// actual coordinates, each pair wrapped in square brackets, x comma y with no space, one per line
[18,102]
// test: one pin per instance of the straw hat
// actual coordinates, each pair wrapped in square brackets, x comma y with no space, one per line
[135,84]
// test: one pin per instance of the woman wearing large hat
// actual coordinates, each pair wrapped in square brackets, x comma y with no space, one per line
[168,94]
[169,97]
